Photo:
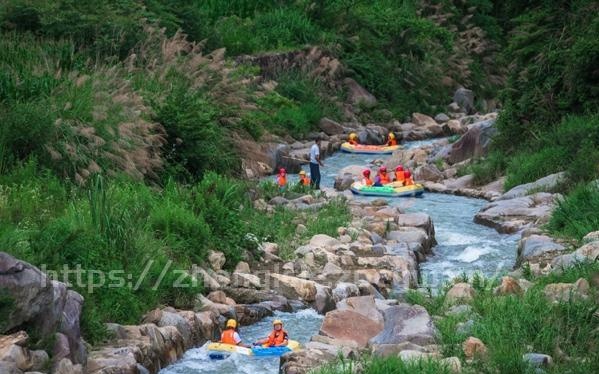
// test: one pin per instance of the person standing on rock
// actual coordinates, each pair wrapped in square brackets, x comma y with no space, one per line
[230,335]
[315,164]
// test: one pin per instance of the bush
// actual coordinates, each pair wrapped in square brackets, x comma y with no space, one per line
[578,213]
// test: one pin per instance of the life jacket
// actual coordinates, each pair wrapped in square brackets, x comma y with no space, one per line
[276,337]
[282,180]
[400,176]
[228,337]
[409,182]
[367,181]
[391,142]
[384,178]
[304,181]
[353,142]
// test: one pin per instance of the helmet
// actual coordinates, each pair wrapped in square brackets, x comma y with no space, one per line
[399,168]
[408,174]
[353,135]
[282,171]
[232,323]
[391,135]
[383,169]
[302,173]
[277,322]
[366,173]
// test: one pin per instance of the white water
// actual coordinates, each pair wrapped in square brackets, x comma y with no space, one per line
[300,326]
[463,247]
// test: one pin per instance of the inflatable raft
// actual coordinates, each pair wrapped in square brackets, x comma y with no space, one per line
[220,351]
[389,190]
[369,149]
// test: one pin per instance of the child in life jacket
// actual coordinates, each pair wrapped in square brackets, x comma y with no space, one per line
[230,335]
[304,180]
[383,176]
[282,178]
[409,181]
[391,139]
[400,174]
[277,338]
[366,181]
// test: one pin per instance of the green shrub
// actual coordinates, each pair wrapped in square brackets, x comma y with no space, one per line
[577,214]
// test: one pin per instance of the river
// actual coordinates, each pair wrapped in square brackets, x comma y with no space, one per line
[463,247]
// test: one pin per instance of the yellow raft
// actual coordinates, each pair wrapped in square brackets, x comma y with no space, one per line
[369,149]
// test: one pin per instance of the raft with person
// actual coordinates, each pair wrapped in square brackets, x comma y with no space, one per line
[220,351]
[389,190]
[369,149]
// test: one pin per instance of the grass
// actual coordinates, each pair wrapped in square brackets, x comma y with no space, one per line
[388,365]
[578,213]
[513,325]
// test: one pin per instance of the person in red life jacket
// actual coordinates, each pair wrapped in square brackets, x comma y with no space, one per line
[353,139]
[366,180]
[282,178]
[230,335]
[391,139]
[277,338]
[400,174]
[409,181]
[304,180]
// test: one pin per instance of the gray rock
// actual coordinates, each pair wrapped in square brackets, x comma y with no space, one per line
[474,143]
[465,99]
[538,248]
[428,172]
[358,95]
[442,118]
[406,323]
[323,301]
[343,290]
[459,309]
[278,200]
[538,359]
[330,127]
[40,303]
[343,182]
[588,252]
[465,328]
[545,184]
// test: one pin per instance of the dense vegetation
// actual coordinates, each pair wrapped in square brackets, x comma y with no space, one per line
[117,132]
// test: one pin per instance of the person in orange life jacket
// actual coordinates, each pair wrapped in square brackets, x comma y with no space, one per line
[400,174]
[353,139]
[384,177]
[366,180]
[282,178]
[409,181]
[230,335]
[304,180]
[391,139]
[277,338]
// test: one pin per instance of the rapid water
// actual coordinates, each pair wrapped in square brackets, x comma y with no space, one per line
[463,246]
[300,326]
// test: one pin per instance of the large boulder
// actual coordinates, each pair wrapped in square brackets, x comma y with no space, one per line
[565,292]
[38,302]
[428,172]
[545,184]
[587,253]
[351,326]
[358,95]
[404,323]
[343,290]
[538,249]
[304,360]
[330,127]
[292,287]
[324,300]
[365,305]
[372,134]
[420,119]
[460,292]
[474,143]
[465,100]
[509,216]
